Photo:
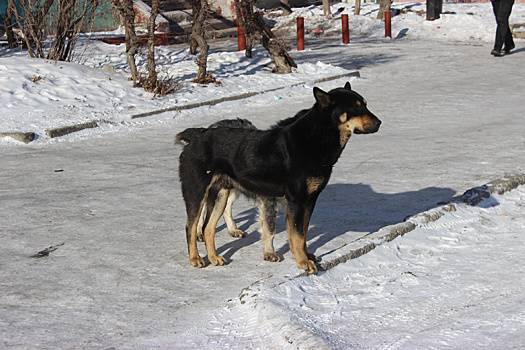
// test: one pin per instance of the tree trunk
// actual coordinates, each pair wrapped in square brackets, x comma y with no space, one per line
[200,12]
[69,21]
[384,5]
[276,48]
[326,9]
[357,7]
[8,22]
[195,11]
[244,14]
[127,17]
[65,8]
[152,72]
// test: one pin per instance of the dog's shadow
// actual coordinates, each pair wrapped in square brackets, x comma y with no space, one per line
[343,208]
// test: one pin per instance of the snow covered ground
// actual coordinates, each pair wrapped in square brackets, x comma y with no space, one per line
[452,119]
[452,284]
[39,94]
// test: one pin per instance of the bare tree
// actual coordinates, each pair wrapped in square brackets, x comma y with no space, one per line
[8,22]
[255,27]
[198,40]
[282,61]
[151,83]
[32,24]
[357,7]
[127,18]
[384,5]
[244,18]
[70,21]
[326,9]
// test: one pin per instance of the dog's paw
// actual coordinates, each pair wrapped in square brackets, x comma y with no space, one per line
[308,266]
[273,257]
[216,260]
[238,233]
[197,262]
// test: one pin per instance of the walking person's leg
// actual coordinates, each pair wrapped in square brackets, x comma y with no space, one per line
[502,10]
[509,42]
[499,40]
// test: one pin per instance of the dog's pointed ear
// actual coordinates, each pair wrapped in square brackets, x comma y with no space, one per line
[322,97]
[348,86]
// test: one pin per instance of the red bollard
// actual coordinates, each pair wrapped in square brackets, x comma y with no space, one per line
[346,31]
[300,33]
[388,23]
[241,38]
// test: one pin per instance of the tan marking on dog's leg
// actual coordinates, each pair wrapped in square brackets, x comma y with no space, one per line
[193,251]
[200,224]
[297,241]
[211,227]
[267,217]
[313,184]
[203,211]
[228,216]
[307,216]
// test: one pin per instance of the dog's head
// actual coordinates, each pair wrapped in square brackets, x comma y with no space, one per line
[347,110]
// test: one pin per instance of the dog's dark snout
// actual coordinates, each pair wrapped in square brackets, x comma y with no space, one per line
[376,125]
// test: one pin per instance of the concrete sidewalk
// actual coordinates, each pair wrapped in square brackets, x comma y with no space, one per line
[122,277]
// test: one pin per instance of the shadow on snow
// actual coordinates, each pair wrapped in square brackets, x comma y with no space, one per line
[343,208]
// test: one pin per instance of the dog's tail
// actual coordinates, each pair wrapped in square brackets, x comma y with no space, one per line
[185,137]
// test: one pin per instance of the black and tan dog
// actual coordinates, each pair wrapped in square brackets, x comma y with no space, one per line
[293,161]
[267,206]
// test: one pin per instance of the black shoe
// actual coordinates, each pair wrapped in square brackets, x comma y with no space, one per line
[497,53]
[508,49]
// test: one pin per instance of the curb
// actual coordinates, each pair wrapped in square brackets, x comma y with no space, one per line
[241,96]
[64,130]
[24,137]
[471,197]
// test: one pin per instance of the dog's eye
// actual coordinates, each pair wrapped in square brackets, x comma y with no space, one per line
[358,103]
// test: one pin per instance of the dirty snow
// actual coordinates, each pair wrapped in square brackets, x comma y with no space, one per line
[456,283]
[472,23]
[38,94]
[452,119]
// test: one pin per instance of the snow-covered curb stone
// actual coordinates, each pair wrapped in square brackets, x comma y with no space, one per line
[64,130]
[24,137]
[241,96]
[472,197]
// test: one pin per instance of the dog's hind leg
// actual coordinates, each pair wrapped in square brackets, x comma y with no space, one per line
[193,186]
[216,202]
[228,216]
[267,217]
[200,224]
[193,210]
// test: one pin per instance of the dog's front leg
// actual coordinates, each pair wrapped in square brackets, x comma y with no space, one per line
[309,208]
[296,215]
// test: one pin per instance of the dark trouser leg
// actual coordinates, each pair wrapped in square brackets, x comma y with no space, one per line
[502,10]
